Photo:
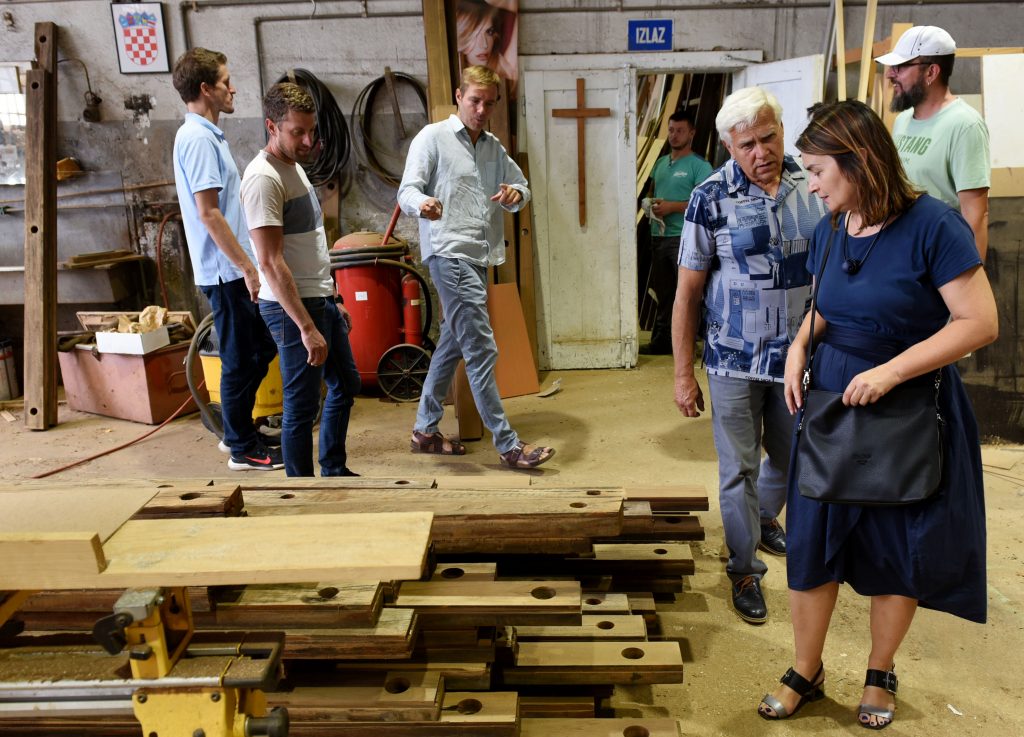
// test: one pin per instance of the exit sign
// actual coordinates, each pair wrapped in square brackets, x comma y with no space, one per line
[650,35]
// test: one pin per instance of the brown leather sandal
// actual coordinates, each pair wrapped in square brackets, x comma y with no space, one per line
[516,458]
[435,443]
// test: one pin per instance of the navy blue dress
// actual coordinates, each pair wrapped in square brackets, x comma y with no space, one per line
[932,551]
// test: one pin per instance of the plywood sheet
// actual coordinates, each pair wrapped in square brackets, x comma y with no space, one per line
[240,550]
[515,371]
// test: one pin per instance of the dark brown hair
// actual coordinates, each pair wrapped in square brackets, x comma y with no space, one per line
[285,96]
[194,68]
[852,134]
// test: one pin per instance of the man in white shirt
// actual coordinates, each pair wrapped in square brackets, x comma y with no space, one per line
[298,298]
[458,178]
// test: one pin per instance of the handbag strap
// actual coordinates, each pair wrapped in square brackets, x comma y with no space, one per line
[805,383]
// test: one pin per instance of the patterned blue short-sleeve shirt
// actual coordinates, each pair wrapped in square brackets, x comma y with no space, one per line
[754,247]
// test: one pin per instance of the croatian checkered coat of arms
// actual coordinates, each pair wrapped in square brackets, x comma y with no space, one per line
[139,36]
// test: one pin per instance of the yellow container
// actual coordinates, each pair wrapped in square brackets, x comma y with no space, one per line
[269,397]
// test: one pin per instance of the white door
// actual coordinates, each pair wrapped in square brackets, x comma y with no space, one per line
[796,82]
[586,286]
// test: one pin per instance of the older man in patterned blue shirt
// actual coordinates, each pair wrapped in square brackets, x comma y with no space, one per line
[743,280]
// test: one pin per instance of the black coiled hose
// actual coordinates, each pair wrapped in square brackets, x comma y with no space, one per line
[362,120]
[336,145]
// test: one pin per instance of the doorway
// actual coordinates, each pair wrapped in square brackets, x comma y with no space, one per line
[659,95]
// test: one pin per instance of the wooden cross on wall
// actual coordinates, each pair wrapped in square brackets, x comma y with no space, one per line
[581,112]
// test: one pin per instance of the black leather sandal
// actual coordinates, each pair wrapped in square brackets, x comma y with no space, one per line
[883,717]
[808,691]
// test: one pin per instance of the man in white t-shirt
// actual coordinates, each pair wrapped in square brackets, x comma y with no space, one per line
[298,298]
[943,141]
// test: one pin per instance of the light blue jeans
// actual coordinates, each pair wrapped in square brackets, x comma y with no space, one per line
[746,415]
[465,333]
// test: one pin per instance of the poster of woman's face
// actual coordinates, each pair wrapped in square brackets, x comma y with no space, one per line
[487,35]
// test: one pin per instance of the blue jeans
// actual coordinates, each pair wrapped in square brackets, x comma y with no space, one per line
[465,333]
[746,415]
[301,385]
[246,349]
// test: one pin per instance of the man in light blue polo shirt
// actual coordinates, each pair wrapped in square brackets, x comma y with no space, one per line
[218,243]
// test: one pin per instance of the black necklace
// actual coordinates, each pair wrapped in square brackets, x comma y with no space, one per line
[852,265]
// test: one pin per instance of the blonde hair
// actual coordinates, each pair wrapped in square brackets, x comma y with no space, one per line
[480,76]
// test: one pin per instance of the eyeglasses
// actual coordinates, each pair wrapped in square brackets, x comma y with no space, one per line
[897,68]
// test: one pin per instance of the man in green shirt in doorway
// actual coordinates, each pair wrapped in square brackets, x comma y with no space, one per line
[674,176]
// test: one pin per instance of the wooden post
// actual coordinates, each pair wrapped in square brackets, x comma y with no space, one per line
[41,233]
[866,61]
[840,52]
[527,289]
[439,75]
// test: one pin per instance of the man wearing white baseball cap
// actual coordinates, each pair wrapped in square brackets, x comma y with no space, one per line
[943,141]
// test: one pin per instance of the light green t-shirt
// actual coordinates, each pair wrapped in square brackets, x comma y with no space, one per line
[945,154]
[674,181]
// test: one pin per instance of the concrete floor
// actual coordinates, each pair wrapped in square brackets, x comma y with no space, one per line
[621,427]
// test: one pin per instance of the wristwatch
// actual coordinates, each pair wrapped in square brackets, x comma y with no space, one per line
[339,300]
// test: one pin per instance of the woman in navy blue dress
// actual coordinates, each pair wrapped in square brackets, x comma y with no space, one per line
[902,295]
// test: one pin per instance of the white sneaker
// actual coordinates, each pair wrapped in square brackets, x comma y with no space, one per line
[222,447]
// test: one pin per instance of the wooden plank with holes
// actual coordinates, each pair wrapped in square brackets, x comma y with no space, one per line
[464,513]
[220,500]
[461,675]
[391,637]
[465,572]
[69,610]
[603,602]
[473,714]
[328,604]
[40,245]
[639,727]
[639,523]
[391,697]
[595,662]
[670,498]
[476,603]
[594,627]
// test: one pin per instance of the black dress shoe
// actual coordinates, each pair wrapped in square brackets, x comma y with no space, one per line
[748,601]
[773,537]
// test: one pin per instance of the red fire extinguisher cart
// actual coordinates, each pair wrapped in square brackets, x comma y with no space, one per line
[391,312]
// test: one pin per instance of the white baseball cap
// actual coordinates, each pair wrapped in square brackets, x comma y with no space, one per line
[919,41]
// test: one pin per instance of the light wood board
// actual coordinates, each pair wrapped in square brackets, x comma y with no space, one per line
[599,728]
[236,550]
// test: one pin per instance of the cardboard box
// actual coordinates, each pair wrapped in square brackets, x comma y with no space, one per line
[140,388]
[135,344]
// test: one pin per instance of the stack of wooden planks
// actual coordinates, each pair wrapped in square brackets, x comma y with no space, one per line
[537,602]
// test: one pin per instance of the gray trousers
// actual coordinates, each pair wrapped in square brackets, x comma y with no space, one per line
[465,333]
[746,415]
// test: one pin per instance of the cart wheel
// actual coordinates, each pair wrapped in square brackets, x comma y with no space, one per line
[402,370]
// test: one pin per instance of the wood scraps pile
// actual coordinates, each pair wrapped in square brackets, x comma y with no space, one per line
[536,603]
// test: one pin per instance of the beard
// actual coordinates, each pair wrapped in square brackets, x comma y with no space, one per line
[907,99]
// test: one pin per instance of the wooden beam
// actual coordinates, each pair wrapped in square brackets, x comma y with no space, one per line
[866,62]
[527,280]
[840,52]
[439,76]
[41,233]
